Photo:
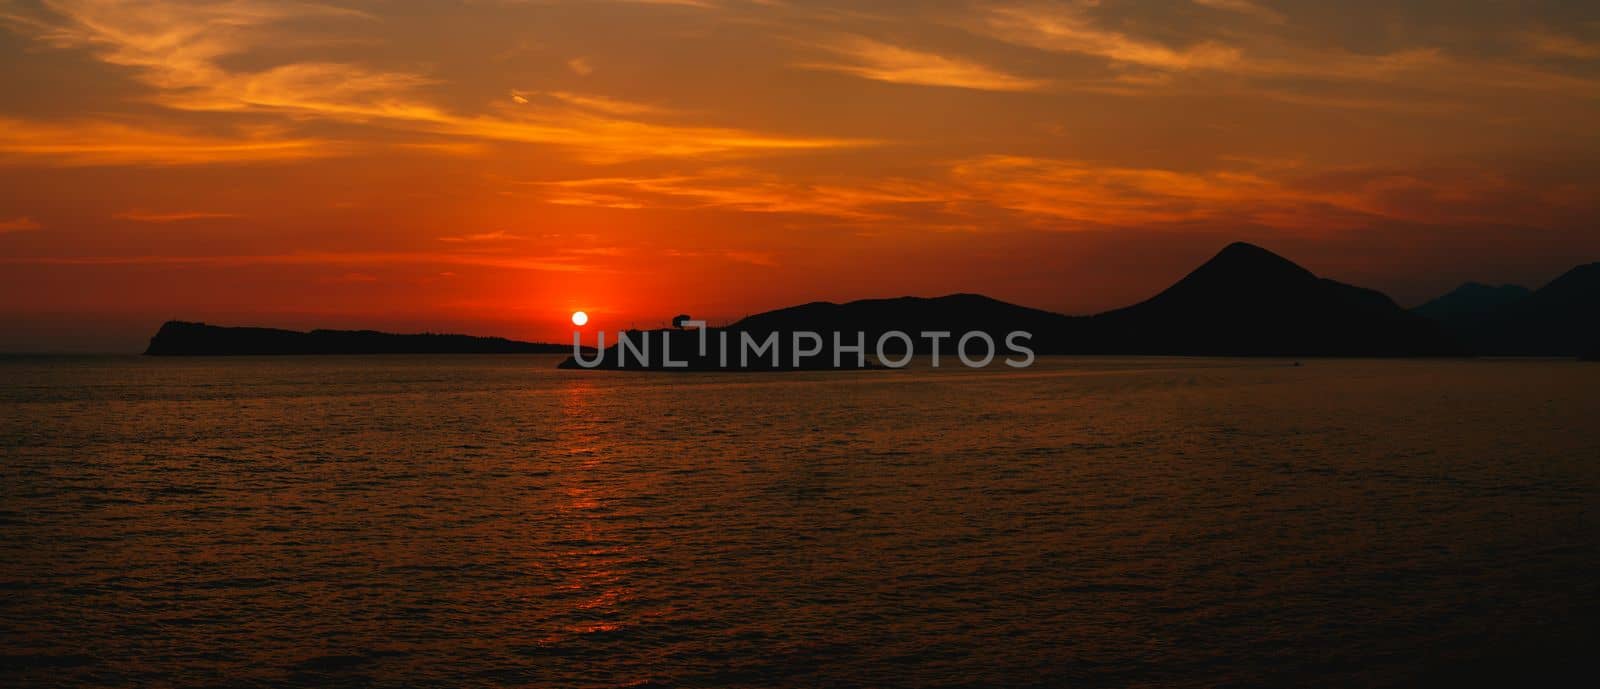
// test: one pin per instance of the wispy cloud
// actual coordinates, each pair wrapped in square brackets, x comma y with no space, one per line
[183,51]
[755,258]
[19,225]
[766,259]
[1080,194]
[601,138]
[1245,7]
[702,4]
[499,236]
[878,61]
[560,262]
[172,216]
[747,190]
[93,142]
[353,278]
[1561,45]
[1267,57]
[604,104]
[1065,194]
[1068,28]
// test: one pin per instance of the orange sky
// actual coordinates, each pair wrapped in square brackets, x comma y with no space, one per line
[488,166]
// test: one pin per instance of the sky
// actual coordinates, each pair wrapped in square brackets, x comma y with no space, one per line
[490,166]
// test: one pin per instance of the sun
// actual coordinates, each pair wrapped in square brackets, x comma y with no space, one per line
[579,318]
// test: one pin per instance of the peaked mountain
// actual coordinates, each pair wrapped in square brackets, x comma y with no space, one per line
[1471,300]
[1247,301]
[1244,301]
[1559,319]
[179,338]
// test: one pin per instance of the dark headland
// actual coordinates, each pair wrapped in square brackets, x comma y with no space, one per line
[1245,301]
[179,338]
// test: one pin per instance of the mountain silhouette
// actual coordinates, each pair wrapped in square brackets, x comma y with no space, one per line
[180,338]
[1559,319]
[1245,301]
[955,313]
[1471,300]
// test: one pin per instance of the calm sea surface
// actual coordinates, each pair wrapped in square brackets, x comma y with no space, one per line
[468,520]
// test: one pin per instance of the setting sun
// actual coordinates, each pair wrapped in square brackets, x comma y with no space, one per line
[579,318]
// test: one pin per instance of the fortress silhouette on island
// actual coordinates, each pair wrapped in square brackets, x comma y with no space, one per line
[1245,301]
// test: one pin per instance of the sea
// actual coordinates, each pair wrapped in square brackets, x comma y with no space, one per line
[485,521]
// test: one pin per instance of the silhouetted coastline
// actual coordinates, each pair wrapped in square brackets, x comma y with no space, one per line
[1246,301]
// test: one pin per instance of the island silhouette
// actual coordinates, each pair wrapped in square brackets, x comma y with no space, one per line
[1244,301]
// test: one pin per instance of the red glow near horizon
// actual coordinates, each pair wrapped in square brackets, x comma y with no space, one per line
[725,159]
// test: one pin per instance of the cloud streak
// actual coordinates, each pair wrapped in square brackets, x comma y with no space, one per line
[1267,57]
[878,61]
[745,190]
[180,49]
[1066,195]
[499,236]
[1245,7]
[23,224]
[94,142]
[560,263]
[1069,29]
[172,216]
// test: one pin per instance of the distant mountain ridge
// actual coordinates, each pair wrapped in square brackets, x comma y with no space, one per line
[1245,301]
[955,313]
[1559,319]
[910,314]
[1471,300]
[180,338]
